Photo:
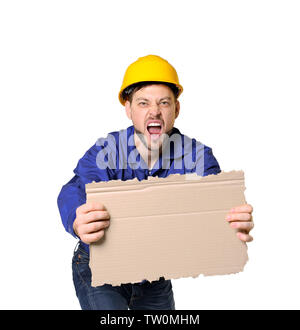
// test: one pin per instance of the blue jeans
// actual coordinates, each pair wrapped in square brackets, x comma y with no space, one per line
[154,295]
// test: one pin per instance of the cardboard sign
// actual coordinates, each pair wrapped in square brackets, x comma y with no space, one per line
[172,227]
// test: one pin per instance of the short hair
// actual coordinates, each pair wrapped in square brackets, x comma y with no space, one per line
[128,92]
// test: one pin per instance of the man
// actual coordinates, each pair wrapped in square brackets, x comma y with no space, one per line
[149,92]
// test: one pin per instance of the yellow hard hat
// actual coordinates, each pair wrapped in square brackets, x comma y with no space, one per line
[149,68]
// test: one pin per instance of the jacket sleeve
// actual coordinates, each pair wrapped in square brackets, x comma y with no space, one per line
[206,163]
[211,165]
[72,194]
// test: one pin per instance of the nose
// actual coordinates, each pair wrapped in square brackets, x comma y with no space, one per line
[154,110]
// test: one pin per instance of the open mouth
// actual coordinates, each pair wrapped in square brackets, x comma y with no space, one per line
[154,129]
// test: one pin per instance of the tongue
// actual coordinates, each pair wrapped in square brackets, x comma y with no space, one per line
[154,130]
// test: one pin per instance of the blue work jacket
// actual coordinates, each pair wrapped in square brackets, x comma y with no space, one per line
[116,158]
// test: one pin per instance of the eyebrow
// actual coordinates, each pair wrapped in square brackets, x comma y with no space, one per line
[166,97]
[163,98]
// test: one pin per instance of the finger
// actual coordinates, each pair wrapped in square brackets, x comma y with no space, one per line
[93,227]
[247,208]
[238,217]
[244,237]
[95,216]
[243,225]
[93,237]
[90,206]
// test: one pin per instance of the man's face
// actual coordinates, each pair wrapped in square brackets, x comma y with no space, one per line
[153,111]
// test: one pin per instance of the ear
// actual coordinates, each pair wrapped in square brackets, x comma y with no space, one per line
[177,109]
[128,109]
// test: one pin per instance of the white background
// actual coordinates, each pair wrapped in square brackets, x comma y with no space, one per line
[61,67]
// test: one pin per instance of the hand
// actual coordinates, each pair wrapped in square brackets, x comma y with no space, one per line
[240,218]
[91,220]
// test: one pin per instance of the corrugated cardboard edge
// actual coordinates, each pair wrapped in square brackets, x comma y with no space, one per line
[189,177]
[217,272]
[232,175]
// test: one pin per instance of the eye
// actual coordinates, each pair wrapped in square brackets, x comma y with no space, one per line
[142,103]
[165,103]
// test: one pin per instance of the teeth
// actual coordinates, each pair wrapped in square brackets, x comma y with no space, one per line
[154,124]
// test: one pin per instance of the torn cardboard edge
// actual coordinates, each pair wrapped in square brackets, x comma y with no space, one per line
[169,227]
